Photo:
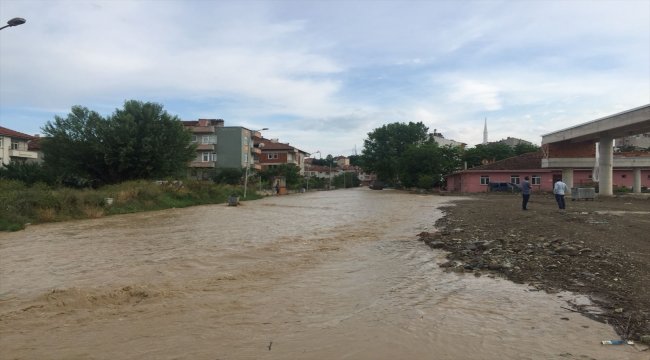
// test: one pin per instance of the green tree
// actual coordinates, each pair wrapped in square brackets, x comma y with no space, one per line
[355,160]
[232,176]
[524,148]
[319,162]
[385,146]
[346,180]
[72,145]
[426,165]
[140,141]
[291,173]
[489,152]
[143,141]
[29,173]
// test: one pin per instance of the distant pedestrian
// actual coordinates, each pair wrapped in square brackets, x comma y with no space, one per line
[525,193]
[559,189]
[277,188]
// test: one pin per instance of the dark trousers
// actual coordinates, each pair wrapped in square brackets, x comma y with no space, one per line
[524,200]
[560,201]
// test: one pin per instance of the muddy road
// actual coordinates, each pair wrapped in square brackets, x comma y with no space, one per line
[322,275]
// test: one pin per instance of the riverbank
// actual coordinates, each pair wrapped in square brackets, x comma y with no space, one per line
[21,205]
[597,248]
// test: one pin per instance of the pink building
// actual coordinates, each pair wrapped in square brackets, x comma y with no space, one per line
[514,169]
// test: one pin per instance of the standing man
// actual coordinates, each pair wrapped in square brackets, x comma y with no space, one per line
[559,190]
[525,193]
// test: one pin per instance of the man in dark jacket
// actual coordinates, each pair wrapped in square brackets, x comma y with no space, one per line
[525,193]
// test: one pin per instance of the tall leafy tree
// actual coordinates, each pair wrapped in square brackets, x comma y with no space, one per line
[487,152]
[523,148]
[143,141]
[425,165]
[355,160]
[140,141]
[385,146]
[72,145]
[291,173]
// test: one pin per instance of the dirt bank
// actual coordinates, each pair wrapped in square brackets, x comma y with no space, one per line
[598,248]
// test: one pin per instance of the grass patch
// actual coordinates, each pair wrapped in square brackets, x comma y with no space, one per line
[20,204]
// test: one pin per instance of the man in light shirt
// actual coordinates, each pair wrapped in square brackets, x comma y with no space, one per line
[559,189]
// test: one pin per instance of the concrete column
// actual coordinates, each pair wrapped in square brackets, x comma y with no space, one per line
[637,181]
[605,164]
[567,177]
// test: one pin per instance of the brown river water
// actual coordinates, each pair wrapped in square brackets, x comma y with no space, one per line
[321,275]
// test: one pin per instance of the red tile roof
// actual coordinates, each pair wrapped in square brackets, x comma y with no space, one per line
[34,144]
[14,134]
[274,145]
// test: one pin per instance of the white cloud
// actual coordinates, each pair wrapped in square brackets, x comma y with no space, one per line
[324,74]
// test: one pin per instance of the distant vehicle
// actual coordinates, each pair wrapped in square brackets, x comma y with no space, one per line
[504,186]
[376,185]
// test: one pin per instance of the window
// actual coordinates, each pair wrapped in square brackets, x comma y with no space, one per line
[209,139]
[194,138]
[536,180]
[245,158]
[514,179]
[207,156]
[485,179]
[14,145]
[272,155]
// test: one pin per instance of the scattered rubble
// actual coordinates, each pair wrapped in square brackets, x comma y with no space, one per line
[606,257]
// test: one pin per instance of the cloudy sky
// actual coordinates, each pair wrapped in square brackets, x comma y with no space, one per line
[322,74]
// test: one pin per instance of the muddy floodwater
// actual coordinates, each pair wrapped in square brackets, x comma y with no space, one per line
[322,275]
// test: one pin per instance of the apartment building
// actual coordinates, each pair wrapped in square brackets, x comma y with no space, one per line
[274,153]
[219,147]
[14,146]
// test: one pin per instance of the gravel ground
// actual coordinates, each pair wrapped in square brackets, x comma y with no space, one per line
[598,248]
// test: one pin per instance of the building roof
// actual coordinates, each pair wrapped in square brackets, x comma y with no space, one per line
[14,134]
[273,145]
[203,122]
[34,144]
[531,160]
[319,168]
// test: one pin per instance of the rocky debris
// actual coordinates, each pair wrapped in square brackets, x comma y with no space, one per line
[550,260]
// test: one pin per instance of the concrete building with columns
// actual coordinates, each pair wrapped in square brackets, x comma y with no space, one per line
[592,145]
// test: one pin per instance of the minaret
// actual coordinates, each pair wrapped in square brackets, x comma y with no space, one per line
[485,132]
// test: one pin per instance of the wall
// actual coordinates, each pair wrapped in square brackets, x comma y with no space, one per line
[471,182]
[566,149]
[231,147]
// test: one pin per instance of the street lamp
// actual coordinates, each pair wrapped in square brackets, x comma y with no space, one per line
[14,22]
[329,187]
[309,176]
[248,156]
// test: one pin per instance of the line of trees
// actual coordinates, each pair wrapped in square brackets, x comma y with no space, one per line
[139,141]
[402,154]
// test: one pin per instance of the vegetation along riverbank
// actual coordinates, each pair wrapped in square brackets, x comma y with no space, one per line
[21,204]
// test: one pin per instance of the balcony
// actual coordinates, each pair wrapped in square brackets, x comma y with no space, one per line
[203,164]
[23,154]
[205,146]
[202,129]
